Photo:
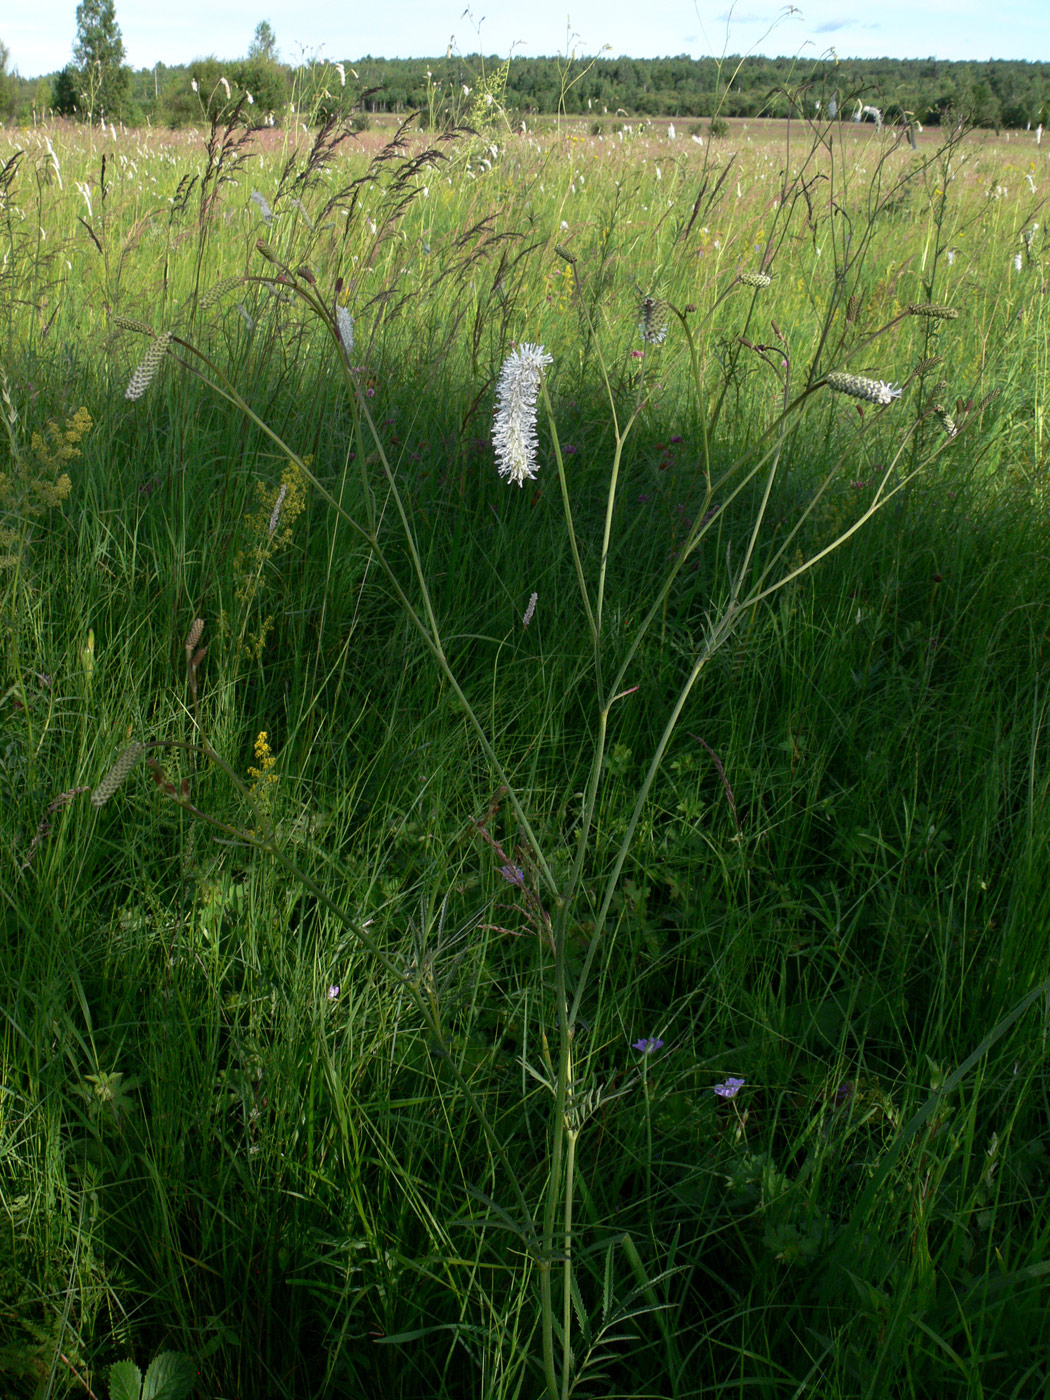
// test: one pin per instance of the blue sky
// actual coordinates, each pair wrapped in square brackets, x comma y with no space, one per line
[39,33]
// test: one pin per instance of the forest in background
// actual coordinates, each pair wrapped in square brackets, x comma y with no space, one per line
[994,94]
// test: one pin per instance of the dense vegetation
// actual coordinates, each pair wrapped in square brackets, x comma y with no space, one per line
[993,94]
[584,937]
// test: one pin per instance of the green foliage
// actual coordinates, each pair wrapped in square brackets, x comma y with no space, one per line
[283,966]
[210,90]
[8,89]
[65,94]
[264,44]
[98,53]
[1008,92]
[170,1376]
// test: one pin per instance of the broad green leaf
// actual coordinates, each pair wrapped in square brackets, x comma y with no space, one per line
[125,1381]
[171,1376]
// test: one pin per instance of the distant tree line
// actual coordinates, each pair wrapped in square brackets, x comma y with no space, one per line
[999,93]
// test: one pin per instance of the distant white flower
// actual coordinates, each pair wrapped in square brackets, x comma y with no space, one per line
[1018,262]
[193,84]
[671,132]
[226,85]
[275,514]
[345,323]
[251,99]
[517,391]
[342,74]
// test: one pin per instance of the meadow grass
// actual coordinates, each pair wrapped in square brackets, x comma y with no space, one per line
[361,1033]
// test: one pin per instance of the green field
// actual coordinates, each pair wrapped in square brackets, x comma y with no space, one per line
[370,960]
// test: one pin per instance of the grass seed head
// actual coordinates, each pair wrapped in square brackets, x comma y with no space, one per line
[652,321]
[151,362]
[858,387]
[932,311]
[116,775]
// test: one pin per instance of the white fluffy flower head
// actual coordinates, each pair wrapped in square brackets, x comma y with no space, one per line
[345,325]
[514,433]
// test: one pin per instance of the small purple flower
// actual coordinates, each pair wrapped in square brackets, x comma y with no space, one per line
[513,874]
[730,1088]
[333,991]
[648,1045]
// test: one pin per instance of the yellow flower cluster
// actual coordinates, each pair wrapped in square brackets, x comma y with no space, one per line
[563,290]
[37,480]
[269,527]
[264,779]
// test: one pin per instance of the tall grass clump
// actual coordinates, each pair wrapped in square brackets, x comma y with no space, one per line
[523,765]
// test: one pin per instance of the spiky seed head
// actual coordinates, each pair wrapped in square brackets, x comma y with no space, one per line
[64,798]
[932,311]
[275,514]
[215,294]
[259,200]
[194,635]
[758,280]
[652,321]
[858,387]
[128,323]
[852,308]
[116,775]
[946,420]
[151,362]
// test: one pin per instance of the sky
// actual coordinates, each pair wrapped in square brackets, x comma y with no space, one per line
[40,33]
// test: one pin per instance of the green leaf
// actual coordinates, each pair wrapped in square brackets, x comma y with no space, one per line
[171,1376]
[125,1381]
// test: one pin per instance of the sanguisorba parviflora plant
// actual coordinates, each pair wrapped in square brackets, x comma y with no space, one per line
[838,361]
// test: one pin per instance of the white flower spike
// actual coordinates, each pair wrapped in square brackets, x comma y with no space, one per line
[517,391]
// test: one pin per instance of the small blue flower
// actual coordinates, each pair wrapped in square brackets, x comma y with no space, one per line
[648,1045]
[730,1088]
